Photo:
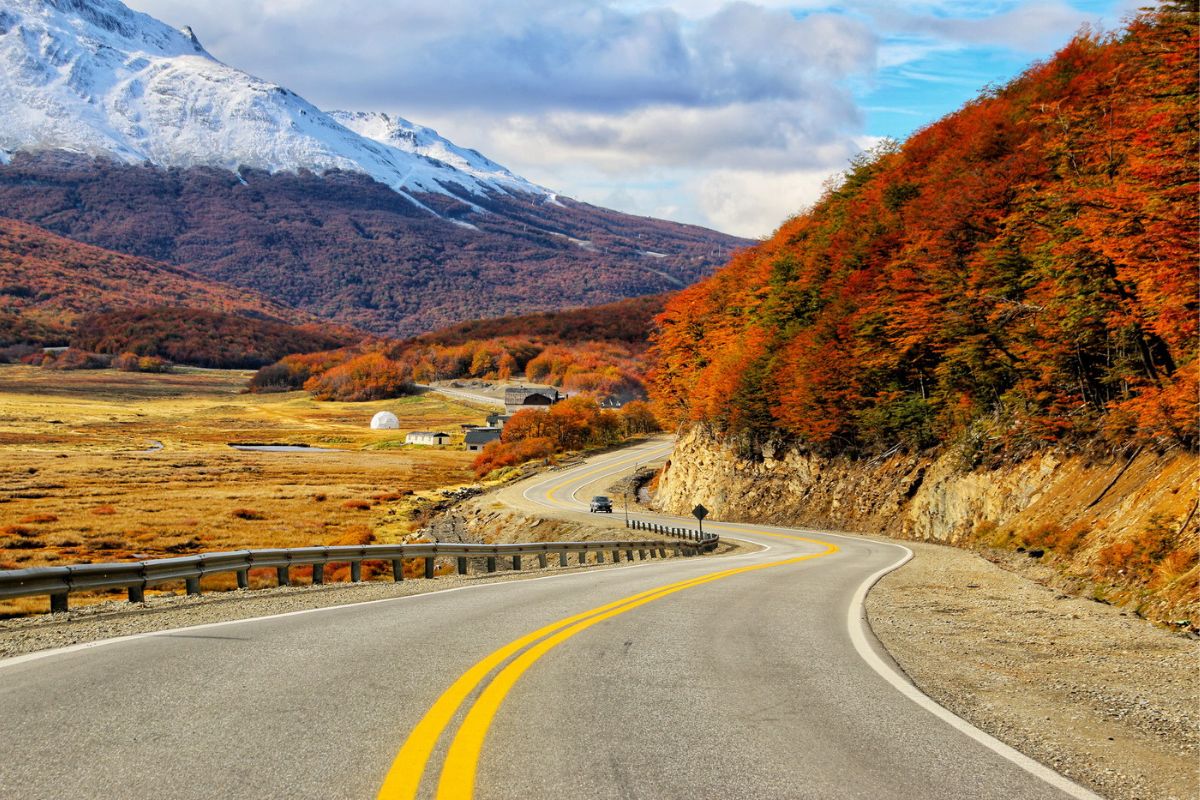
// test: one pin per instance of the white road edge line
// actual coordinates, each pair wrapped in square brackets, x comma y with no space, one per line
[861,636]
[856,624]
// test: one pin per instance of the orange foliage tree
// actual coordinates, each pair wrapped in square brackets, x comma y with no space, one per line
[1019,272]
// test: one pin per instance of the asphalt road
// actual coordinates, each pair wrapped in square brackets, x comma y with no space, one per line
[749,676]
[460,394]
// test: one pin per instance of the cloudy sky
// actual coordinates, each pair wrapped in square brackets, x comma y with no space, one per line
[726,114]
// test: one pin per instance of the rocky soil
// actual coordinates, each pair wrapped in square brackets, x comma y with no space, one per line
[1092,504]
[1087,688]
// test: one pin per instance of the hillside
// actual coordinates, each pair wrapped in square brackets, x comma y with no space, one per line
[999,312]
[629,321]
[202,338]
[48,282]
[1020,272]
[599,350]
[362,218]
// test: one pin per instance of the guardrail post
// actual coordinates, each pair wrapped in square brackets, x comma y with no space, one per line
[137,594]
[516,562]
[628,554]
[356,572]
[243,578]
[562,558]
[58,603]
[641,553]
[318,574]
[282,577]
[616,556]
[429,564]
[679,550]
[599,556]
[462,565]
[491,565]
[542,560]
[193,586]
[583,558]
[397,569]
[662,552]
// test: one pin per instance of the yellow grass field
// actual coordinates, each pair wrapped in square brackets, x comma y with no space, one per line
[82,478]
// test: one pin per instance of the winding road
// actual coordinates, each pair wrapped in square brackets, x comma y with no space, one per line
[743,676]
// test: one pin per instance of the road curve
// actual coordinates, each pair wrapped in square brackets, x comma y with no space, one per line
[748,676]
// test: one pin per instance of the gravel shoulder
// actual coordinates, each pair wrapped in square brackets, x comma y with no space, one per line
[1100,695]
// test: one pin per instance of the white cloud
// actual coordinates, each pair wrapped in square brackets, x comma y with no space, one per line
[729,114]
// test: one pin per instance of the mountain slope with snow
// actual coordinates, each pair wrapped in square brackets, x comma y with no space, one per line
[120,131]
[94,77]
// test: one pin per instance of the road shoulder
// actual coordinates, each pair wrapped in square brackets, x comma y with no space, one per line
[1103,697]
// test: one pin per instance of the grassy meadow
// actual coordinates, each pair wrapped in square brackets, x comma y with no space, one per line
[104,466]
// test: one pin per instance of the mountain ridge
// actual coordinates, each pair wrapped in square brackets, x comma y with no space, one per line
[124,133]
[100,79]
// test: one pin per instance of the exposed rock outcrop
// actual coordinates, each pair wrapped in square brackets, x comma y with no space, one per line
[1123,528]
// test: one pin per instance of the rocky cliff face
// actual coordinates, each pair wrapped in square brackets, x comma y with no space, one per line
[1123,529]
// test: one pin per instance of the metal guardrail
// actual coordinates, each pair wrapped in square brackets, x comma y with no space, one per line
[136,576]
[706,542]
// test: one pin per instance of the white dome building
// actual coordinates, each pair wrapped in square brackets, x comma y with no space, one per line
[384,421]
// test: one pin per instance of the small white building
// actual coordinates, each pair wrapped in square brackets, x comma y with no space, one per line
[427,438]
[384,421]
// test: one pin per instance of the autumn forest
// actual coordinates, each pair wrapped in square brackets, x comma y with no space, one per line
[1021,272]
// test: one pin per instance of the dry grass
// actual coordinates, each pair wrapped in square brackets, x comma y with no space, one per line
[82,485]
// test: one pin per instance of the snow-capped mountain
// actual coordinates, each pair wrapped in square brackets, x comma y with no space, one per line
[120,131]
[94,77]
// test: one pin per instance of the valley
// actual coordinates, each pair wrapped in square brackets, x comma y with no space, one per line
[86,480]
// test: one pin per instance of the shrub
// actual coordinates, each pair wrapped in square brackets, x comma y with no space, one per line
[38,519]
[131,362]
[24,544]
[1140,556]
[104,511]
[372,376]
[508,454]
[357,505]
[17,530]
[1051,536]
[354,535]
[246,513]
[74,359]
[283,376]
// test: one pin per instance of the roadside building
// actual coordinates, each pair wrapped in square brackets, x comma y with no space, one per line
[498,420]
[427,438]
[477,438]
[517,398]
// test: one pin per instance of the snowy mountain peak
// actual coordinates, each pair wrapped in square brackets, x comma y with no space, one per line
[397,132]
[94,77]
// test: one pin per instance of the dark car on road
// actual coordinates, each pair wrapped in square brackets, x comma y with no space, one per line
[601,504]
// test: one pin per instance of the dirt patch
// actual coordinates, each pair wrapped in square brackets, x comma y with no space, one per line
[1086,688]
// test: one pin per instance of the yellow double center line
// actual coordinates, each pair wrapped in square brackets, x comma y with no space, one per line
[457,781]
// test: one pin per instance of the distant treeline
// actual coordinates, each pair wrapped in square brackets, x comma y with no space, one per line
[201,338]
[598,350]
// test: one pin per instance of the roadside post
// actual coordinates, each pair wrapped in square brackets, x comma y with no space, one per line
[700,512]
[628,486]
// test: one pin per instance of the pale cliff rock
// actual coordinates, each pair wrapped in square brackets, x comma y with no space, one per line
[939,499]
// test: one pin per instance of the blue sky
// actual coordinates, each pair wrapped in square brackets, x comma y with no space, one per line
[726,114]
